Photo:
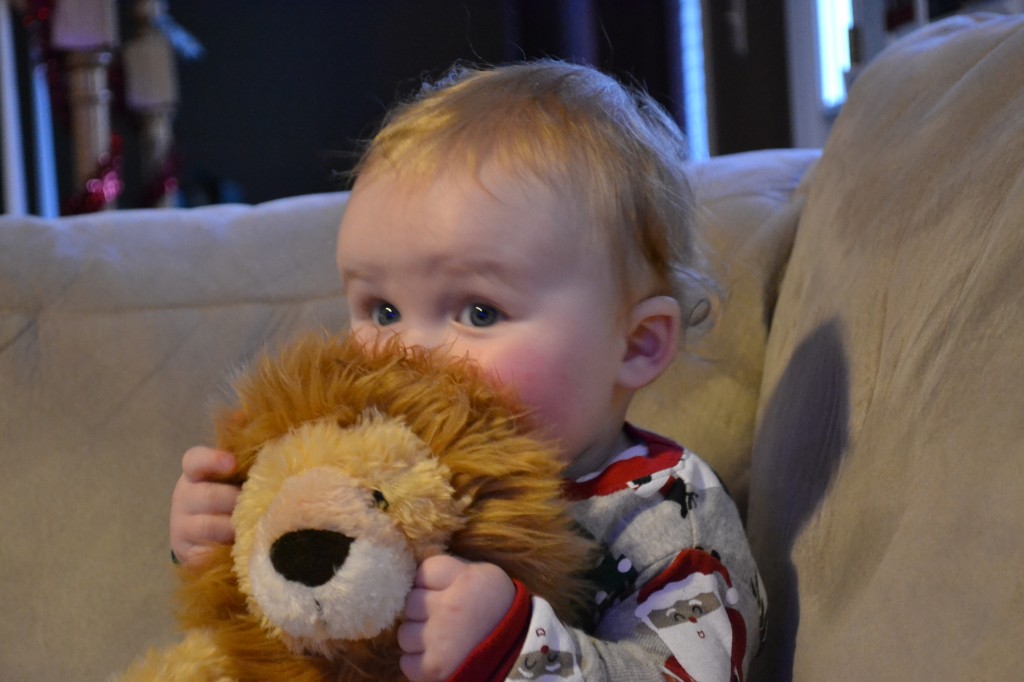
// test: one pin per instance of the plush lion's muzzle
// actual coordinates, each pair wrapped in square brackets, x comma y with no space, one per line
[329,558]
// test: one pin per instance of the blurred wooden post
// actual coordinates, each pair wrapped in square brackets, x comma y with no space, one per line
[89,97]
[87,30]
[151,91]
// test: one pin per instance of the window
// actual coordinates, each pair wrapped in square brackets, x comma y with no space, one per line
[695,94]
[835,18]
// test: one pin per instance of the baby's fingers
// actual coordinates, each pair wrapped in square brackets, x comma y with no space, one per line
[201,534]
[214,498]
[416,607]
[412,667]
[412,641]
[203,463]
[410,637]
[211,529]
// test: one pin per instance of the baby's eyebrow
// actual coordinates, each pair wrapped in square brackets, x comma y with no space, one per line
[359,273]
[486,268]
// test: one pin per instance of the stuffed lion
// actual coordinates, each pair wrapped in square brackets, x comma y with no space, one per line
[357,464]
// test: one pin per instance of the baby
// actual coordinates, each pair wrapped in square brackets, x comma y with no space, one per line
[536,217]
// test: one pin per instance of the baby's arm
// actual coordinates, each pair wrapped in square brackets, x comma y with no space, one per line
[201,506]
[470,621]
[677,612]
[530,640]
[453,606]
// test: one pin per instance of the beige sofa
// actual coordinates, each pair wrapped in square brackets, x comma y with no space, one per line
[862,390]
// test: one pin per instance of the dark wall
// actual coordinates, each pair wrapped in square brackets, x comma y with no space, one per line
[287,89]
[745,49]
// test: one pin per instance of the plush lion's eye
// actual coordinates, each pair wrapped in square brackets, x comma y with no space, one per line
[380,500]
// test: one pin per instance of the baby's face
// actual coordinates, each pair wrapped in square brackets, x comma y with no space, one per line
[497,269]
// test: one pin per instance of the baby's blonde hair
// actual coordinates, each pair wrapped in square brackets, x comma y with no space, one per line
[612,151]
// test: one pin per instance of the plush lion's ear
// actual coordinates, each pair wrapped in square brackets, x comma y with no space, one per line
[228,423]
[238,418]
[232,426]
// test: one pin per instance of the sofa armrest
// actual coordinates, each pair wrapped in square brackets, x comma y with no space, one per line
[887,496]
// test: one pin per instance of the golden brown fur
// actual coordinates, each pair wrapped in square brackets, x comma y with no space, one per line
[515,516]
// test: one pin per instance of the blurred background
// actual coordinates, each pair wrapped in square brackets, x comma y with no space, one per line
[252,100]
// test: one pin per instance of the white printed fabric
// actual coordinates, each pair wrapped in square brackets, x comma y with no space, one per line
[678,596]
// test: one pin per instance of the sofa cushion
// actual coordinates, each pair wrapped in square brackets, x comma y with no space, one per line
[118,332]
[886,506]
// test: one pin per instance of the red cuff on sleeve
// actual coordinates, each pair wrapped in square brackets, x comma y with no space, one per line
[494,657]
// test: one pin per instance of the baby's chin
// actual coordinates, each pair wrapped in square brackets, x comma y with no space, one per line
[594,456]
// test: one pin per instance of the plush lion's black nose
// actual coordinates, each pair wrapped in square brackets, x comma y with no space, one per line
[310,557]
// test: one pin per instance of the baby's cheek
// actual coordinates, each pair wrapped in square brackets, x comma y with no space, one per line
[368,333]
[540,385]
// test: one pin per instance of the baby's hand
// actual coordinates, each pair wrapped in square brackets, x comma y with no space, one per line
[453,606]
[200,506]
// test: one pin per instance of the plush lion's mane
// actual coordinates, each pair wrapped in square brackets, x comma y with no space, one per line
[516,518]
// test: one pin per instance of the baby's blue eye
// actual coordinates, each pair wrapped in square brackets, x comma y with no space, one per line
[384,314]
[479,315]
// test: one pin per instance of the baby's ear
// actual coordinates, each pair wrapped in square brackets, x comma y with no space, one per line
[651,341]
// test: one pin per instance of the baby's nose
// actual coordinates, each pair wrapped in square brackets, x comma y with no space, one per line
[426,337]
